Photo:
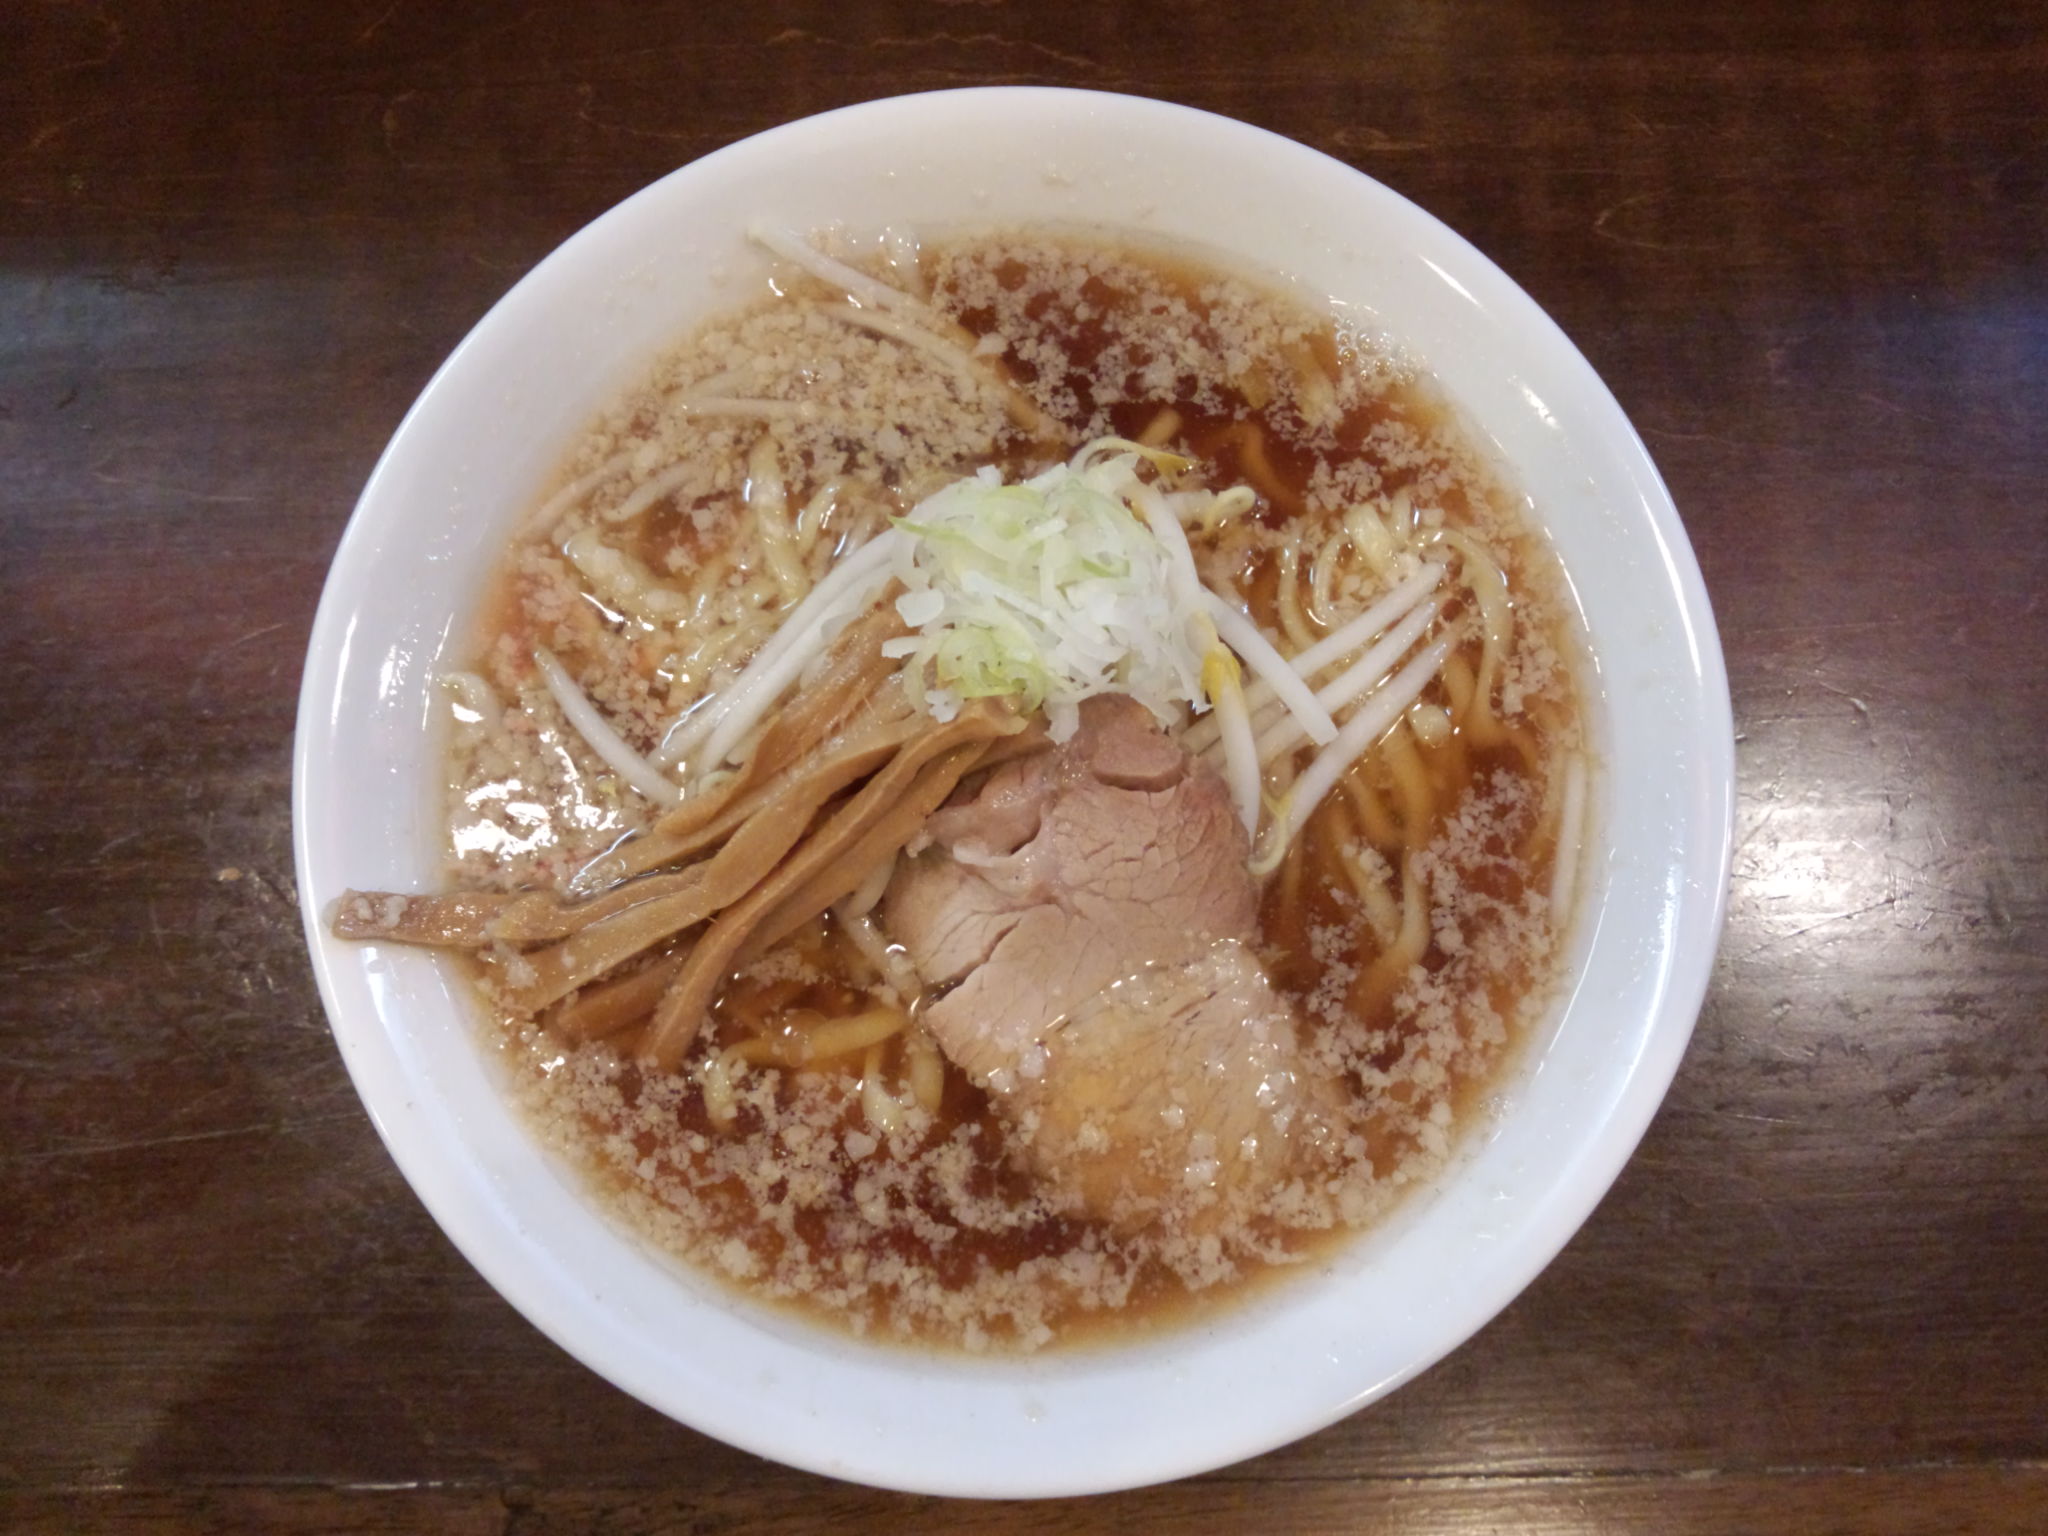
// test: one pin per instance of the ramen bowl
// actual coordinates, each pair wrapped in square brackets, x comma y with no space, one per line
[1292,1356]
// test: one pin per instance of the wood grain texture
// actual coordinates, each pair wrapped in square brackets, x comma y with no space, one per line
[1919,1501]
[1806,247]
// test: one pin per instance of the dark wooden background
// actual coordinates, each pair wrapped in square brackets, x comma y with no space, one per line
[1806,246]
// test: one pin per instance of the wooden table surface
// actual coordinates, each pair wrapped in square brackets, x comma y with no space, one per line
[1810,256]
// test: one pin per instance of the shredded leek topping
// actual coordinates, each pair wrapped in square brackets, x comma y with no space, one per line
[1048,592]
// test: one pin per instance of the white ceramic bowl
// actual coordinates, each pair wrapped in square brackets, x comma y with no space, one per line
[491,427]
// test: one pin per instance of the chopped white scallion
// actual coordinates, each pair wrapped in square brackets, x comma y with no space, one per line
[1075,582]
[1188,590]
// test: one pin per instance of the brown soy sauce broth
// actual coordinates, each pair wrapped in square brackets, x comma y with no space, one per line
[783,1198]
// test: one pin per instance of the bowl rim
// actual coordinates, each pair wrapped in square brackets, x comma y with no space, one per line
[373,998]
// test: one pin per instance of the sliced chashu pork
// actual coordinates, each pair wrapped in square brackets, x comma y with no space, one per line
[1177,1093]
[1084,916]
